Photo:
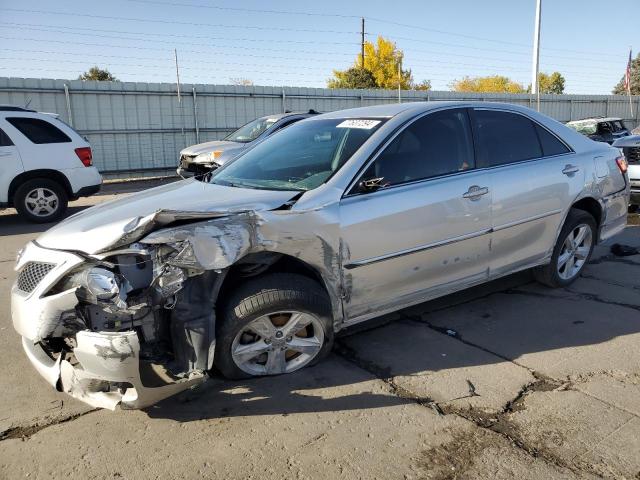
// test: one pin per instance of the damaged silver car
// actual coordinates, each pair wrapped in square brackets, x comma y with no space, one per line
[337,219]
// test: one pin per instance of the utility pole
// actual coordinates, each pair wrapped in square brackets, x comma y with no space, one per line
[535,80]
[175,52]
[399,78]
[362,43]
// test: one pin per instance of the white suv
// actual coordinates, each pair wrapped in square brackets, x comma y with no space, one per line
[44,163]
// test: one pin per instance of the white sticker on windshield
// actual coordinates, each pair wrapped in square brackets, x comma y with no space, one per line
[358,123]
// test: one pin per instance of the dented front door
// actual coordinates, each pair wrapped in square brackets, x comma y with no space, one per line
[409,243]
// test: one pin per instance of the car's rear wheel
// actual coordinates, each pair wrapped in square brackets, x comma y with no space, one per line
[572,251]
[41,200]
[274,324]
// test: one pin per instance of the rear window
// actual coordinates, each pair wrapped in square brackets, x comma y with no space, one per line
[38,131]
[550,144]
[5,141]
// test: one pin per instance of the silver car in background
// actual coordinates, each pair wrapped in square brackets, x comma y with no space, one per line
[335,220]
[202,158]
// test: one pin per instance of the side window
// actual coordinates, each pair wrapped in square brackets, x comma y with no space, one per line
[505,138]
[604,128]
[5,141]
[437,144]
[38,131]
[550,144]
[283,125]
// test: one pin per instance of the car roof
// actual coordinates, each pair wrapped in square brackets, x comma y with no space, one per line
[595,120]
[278,116]
[393,109]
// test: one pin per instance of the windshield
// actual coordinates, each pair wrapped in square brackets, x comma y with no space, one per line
[300,157]
[252,130]
[585,128]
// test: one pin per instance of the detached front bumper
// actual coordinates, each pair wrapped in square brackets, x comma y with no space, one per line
[102,369]
[107,372]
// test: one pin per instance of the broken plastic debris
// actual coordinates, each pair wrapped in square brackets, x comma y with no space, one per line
[623,250]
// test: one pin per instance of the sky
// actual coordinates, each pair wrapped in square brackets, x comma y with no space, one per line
[295,43]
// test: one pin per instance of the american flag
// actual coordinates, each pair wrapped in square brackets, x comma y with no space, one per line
[627,75]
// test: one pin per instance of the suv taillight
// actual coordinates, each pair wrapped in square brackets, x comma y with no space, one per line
[622,163]
[84,154]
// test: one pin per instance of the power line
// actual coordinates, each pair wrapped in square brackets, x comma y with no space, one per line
[246,10]
[44,27]
[176,22]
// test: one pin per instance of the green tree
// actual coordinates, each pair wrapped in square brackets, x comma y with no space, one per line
[424,85]
[490,84]
[550,83]
[635,80]
[96,73]
[382,60]
[354,77]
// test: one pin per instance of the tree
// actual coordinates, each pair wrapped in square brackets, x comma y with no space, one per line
[382,61]
[354,77]
[550,83]
[241,81]
[424,85]
[490,84]
[635,80]
[96,73]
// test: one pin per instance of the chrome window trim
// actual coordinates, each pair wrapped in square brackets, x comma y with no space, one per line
[348,194]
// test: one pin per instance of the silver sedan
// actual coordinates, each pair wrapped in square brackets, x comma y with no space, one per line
[337,219]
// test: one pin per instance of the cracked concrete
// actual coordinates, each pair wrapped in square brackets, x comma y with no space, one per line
[528,383]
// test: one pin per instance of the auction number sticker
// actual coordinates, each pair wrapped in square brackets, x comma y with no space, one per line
[361,123]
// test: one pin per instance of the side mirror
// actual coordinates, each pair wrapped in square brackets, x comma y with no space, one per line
[370,184]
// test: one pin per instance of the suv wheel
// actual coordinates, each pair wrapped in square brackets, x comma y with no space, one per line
[41,200]
[572,251]
[274,324]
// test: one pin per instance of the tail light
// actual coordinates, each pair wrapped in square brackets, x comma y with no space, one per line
[622,163]
[85,156]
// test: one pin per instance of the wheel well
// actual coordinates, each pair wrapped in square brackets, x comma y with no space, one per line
[54,175]
[257,264]
[591,206]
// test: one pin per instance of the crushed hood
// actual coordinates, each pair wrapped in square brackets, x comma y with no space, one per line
[125,220]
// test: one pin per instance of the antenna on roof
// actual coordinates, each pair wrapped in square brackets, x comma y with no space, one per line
[26,105]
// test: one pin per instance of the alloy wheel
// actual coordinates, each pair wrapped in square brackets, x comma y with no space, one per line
[279,342]
[574,252]
[42,202]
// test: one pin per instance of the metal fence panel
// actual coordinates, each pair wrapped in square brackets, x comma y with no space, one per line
[141,127]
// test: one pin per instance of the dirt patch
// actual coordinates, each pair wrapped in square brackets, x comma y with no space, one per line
[454,458]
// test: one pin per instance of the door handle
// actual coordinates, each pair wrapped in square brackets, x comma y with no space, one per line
[475,192]
[5,154]
[570,169]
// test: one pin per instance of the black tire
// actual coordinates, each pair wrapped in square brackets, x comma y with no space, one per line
[260,296]
[548,274]
[20,199]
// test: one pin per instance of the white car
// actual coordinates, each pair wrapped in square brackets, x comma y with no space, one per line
[44,163]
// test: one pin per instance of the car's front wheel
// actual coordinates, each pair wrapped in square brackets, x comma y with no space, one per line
[41,200]
[572,251]
[274,324]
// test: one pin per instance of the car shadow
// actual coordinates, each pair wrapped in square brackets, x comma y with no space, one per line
[14,224]
[516,312]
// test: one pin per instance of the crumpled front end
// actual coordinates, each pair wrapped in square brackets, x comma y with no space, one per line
[101,329]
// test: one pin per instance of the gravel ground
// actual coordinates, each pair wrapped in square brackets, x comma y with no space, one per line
[505,380]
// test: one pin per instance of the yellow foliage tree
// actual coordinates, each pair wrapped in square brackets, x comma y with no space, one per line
[382,59]
[491,84]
